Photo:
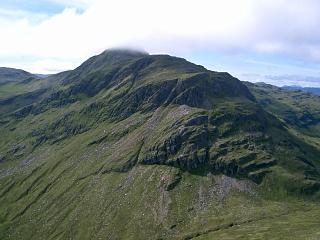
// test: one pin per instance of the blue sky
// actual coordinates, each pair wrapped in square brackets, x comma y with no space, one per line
[275,41]
[271,68]
[33,6]
[47,7]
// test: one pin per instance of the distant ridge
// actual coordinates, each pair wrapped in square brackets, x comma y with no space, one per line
[312,90]
[14,75]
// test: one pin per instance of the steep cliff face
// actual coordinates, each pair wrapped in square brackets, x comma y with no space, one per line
[136,146]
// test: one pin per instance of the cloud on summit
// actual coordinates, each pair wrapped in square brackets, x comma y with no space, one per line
[285,27]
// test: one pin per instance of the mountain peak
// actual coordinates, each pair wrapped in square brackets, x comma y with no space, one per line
[109,57]
[129,52]
[120,54]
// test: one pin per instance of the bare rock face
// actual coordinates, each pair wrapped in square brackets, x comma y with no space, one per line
[208,141]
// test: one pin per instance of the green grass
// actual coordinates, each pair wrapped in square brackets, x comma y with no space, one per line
[300,223]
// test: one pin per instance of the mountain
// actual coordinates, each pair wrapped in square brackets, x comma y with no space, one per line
[137,146]
[313,90]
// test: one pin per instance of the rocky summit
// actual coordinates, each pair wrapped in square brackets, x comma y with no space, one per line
[137,146]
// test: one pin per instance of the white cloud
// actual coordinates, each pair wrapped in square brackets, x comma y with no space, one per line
[12,15]
[167,26]
[284,80]
[43,66]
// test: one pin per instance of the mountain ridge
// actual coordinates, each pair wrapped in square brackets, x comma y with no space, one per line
[313,90]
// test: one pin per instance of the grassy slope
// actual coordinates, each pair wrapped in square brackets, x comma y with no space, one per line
[299,110]
[85,169]
[16,81]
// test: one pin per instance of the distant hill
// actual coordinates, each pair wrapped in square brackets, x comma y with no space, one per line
[305,89]
[16,81]
[14,75]
[298,109]
[42,75]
